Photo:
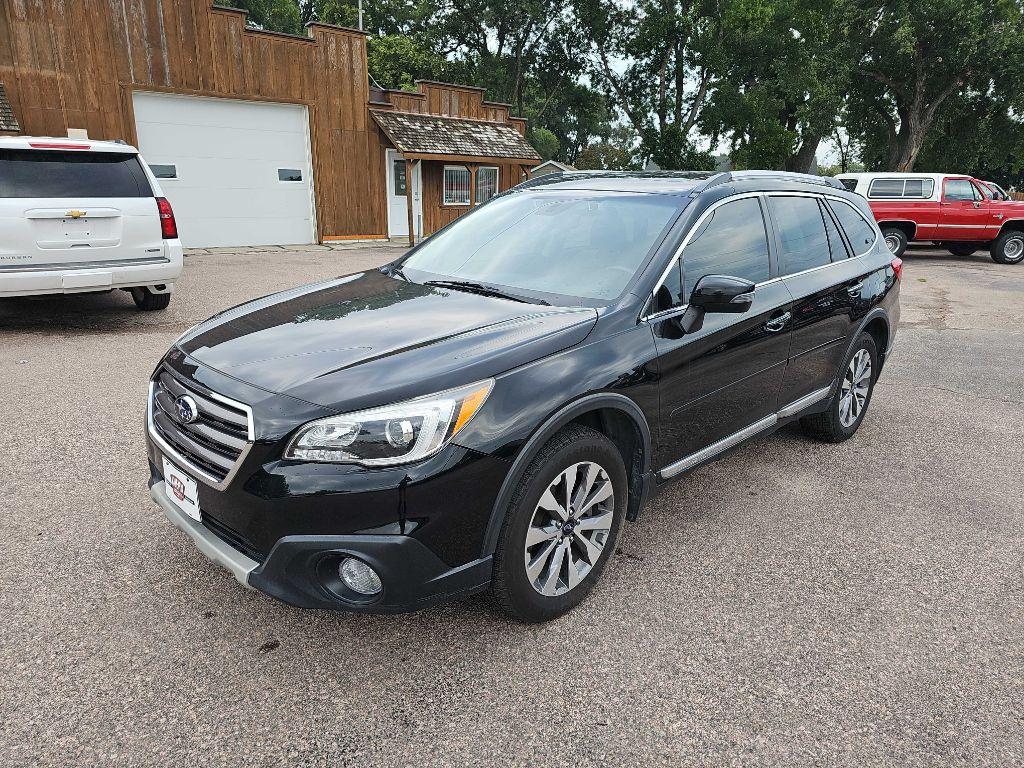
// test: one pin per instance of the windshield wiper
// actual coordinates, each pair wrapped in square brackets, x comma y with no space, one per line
[485,290]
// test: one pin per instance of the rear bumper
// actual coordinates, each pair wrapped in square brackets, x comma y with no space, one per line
[96,275]
[302,570]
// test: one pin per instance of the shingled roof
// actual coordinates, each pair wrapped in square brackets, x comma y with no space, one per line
[8,122]
[418,134]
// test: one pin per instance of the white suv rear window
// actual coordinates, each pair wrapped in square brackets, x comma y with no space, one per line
[901,189]
[40,173]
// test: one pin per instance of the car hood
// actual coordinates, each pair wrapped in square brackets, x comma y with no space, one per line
[369,339]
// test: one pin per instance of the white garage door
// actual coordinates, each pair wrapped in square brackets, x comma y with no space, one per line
[236,172]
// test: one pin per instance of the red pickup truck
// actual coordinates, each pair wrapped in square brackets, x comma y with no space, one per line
[960,213]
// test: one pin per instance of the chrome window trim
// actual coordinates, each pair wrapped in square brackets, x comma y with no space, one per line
[682,246]
[187,465]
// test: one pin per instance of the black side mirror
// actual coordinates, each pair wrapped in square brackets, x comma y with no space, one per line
[716,293]
[721,293]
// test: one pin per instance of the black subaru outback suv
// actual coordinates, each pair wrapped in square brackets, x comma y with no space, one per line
[489,409]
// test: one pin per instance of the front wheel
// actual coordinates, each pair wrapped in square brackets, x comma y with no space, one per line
[1008,248]
[850,402]
[895,240]
[560,526]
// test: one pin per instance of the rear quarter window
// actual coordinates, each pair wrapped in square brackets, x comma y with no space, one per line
[42,173]
[858,231]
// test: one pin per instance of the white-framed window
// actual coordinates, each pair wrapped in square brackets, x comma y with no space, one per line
[486,183]
[289,174]
[896,189]
[456,185]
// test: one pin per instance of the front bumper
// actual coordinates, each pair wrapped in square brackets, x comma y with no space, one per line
[301,570]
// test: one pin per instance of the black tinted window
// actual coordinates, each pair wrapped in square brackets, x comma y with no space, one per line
[801,234]
[959,189]
[850,184]
[83,173]
[858,231]
[731,241]
[835,240]
[918,188]
[886,188]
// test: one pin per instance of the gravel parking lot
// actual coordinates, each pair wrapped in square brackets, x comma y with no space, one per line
[796,604]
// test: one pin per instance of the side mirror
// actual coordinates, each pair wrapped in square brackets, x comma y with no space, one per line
[721,293]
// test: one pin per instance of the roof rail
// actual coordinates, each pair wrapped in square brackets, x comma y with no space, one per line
[806,178]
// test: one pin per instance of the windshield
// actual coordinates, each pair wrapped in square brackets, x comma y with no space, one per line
[577,243]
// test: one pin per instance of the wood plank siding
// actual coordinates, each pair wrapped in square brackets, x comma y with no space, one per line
[73,64]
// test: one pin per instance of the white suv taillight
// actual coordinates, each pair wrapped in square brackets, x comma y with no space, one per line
[168,227]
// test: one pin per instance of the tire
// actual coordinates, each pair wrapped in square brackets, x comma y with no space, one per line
[896,239]
[838,424]
[148,301]
[1008,248]
[962,249]
[541,593]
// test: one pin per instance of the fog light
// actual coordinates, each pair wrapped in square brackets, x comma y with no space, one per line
[359,577]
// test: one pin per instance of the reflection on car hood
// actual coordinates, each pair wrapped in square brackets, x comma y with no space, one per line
[369,339]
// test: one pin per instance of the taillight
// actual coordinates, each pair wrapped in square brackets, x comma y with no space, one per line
[897,267]
[168,227]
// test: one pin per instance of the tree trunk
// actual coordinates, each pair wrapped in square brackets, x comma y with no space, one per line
[803,159]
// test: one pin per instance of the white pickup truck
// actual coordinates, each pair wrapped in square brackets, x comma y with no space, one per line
[84,216]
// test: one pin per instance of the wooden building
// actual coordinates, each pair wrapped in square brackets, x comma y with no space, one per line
[257,137]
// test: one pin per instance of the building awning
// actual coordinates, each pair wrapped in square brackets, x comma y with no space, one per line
[8,122]
[437,137]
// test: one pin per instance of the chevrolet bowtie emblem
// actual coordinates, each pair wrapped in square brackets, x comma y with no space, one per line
[76,214]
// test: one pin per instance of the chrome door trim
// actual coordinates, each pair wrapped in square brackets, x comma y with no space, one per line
[747,432]
[804,402]
[716,448]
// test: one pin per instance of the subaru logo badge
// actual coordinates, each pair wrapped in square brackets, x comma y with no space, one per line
[188,410]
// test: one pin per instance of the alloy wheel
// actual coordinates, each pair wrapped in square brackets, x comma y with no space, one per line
[853,396]
[892,243]
[570,528]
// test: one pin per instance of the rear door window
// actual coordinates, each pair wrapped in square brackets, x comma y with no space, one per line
[731,241]
[45,173]
[858,231]
[802,236]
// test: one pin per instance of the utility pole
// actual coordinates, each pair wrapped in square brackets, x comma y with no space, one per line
[360,15]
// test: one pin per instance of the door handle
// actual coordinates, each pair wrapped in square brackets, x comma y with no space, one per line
[776,324]
[977,204]
[854,290]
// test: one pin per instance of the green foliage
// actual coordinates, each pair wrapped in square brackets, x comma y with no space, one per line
[615,152]
[397,61]
[545,142]
[275,15]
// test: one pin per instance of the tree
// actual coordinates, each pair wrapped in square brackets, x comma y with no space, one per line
[276,15]
[657,60]
[617,151]
[784,72]
[917,56]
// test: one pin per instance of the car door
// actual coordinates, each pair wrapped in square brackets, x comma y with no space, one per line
[964,212]
[826,284]
[724,376]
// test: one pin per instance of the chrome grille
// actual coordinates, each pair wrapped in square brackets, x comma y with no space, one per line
[214,444]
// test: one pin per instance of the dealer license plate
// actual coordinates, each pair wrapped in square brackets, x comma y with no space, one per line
[182,490]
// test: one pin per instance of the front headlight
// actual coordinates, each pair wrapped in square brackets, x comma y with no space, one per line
[391,434]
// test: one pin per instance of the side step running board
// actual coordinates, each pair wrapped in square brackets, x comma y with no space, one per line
[736,438]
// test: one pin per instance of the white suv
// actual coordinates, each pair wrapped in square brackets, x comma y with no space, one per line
[84,216]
